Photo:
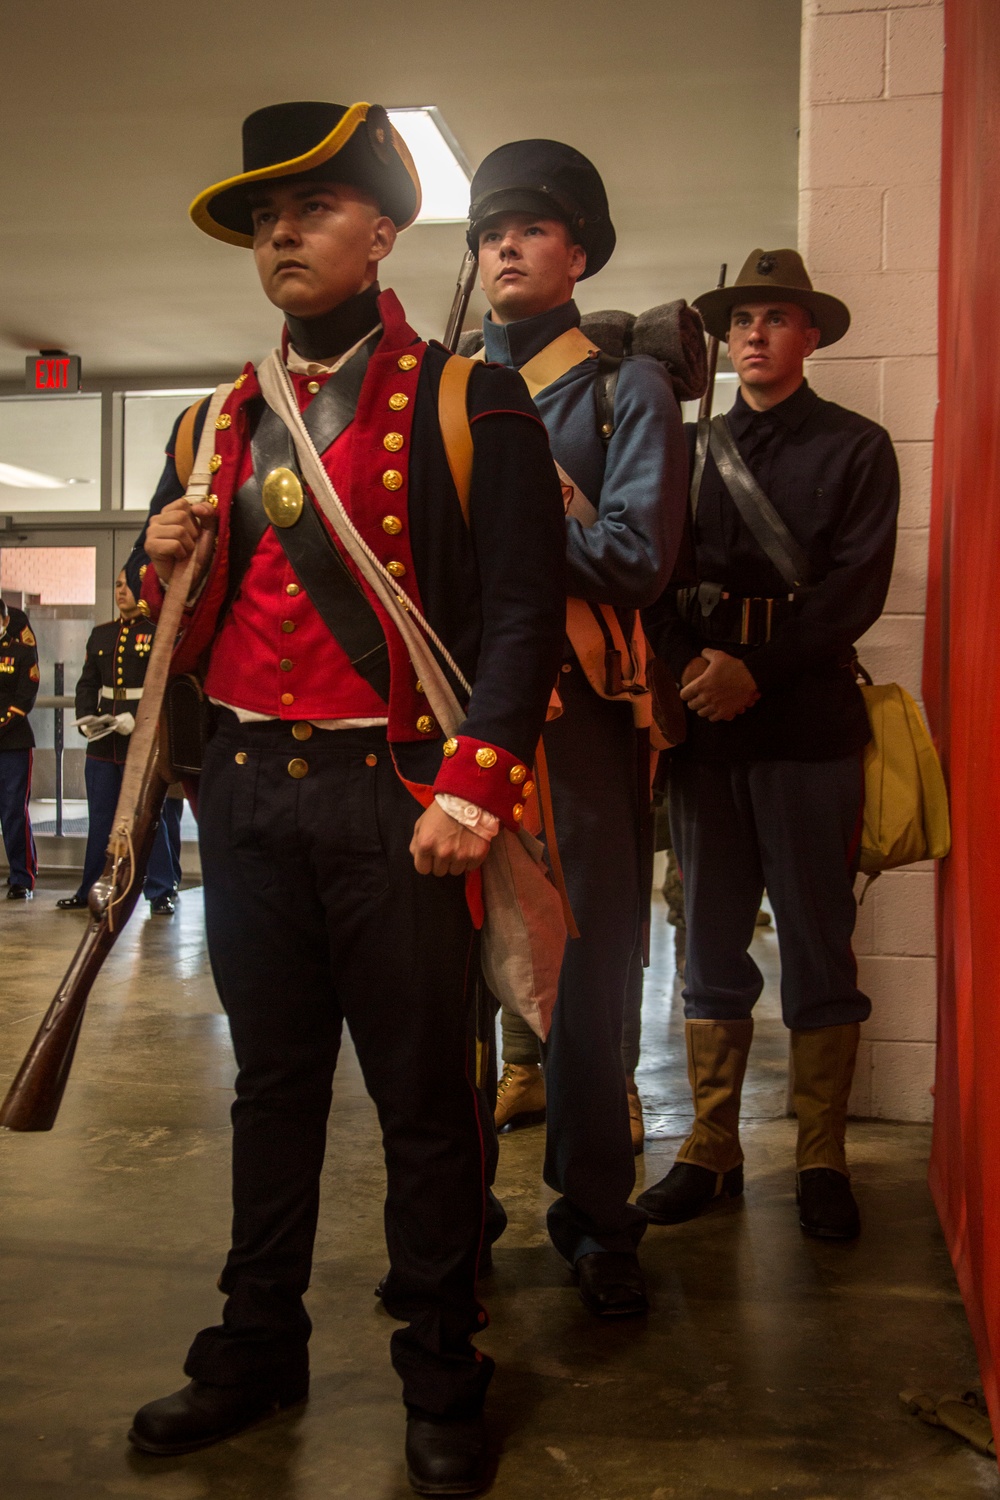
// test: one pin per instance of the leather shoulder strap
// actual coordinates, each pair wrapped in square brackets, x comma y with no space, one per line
[608,369]
[184,454]
[551,363]
[698,467]
[765,525]
[453,419]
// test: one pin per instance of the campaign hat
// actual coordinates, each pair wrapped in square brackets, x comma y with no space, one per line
[350,143]
[775,276]
[549,179]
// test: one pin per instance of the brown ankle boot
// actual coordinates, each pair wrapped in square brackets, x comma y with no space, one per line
[822,1073]
[520,1096]
[635,1120]
[709,1165]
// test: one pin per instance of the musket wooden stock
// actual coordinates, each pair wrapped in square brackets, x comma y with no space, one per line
[460,304]
[33,1099]
[712,350]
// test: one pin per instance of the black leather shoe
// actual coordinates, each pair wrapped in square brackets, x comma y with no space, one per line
[687,1191]
[202,1414]
[19,893]
[611,1284]
[163,906]
[827,1207]
[446,1458]
[72,903]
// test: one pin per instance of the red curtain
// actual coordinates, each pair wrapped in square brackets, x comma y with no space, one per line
[962,672]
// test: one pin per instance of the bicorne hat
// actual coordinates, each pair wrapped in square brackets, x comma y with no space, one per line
[774,276]
[548,179]
[354,144]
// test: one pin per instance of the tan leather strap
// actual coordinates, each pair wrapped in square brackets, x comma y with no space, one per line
[184,453]
[544,793]
[453,419]
[549,364]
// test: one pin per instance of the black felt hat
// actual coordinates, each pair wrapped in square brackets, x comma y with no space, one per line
[354,143]
[549,179]
[775,276]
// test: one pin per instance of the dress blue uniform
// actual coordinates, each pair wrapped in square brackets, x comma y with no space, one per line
[111,682]
[18,690]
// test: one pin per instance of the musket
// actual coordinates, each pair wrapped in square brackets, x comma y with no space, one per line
[33,1099]
[705,409]
[460,304]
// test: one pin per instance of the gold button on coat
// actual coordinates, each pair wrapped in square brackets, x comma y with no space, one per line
[397,569]
[293,589]
[302,731]
[288,626]
[312,387]
[398,401]
[426,724]
[371,760]
[285,664]
[527,789]
[298,768]
[393,441]
[407,361]
[223,421]
[450,747]
[212,500]
[288,699]
[517,774]
[486,757]
[239,380]
[392,525]
[241,757]
[392,479]
[517,812]
[215,463]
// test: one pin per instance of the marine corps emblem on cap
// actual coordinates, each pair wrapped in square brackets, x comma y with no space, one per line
[774,276]
[353,144]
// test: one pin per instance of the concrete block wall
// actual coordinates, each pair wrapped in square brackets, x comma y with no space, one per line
[868,228]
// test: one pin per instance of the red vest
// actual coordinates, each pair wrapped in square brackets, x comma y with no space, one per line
[274,654]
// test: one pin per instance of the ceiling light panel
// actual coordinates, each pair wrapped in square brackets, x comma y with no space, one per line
[441,165]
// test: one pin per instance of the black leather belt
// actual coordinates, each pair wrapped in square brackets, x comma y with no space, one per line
[725,618]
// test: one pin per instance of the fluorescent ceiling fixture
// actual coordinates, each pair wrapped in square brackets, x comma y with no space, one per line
[30,479]
[440,162]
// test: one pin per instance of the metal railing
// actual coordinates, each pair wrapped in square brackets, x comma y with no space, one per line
[58,701]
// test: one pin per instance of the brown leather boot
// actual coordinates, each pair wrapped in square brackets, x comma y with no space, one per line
[635,1120]
[822,1073]
[520,1096]
[709,1165]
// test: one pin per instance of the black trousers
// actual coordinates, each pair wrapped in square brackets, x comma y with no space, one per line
[793,827]
[15,823]
[315,915]
[593,767]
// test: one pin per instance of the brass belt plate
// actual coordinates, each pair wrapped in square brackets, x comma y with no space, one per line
[282,495]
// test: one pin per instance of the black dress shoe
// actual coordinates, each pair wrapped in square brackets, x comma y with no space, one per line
[72,903]
[446,1458]
[19,893]
[611,1284]
[827,1207]
[687,1191]
[163,906]
[202,1414]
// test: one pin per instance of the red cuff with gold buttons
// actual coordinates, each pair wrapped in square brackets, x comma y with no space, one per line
[151,594]
[484,774]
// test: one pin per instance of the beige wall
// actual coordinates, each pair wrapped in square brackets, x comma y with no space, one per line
[868,228]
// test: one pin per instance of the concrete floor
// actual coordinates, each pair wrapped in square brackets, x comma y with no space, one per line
[771,1364]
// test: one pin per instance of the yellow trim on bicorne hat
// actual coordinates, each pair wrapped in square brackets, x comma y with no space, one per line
[327,148]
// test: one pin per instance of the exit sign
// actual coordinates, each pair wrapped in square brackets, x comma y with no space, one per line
[52,373]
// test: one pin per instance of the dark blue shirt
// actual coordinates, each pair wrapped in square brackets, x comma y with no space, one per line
[832,476]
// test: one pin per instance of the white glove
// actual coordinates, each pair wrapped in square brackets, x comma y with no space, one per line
[124,723]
